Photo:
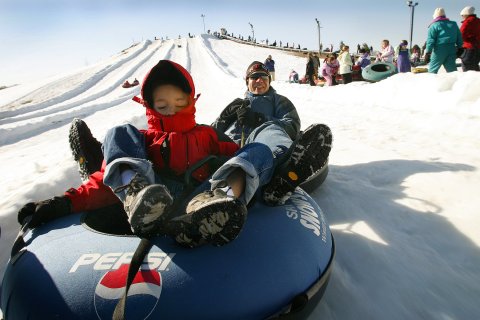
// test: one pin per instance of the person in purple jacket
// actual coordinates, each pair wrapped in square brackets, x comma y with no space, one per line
[403,57]
[364,60]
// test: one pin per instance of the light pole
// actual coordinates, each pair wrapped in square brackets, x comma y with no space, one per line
[253,32]
[319,42]
[412,10]
[203,18]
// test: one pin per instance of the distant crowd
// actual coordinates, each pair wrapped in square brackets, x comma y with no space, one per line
[437,51]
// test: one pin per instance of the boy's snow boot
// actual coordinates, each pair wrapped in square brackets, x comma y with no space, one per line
[135,82]
[309,155]
[126,84]
[211,217]
[146,205]
[86,150]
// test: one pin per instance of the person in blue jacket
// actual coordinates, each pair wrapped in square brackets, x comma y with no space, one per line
[270,64]
[275,156]
[444,37]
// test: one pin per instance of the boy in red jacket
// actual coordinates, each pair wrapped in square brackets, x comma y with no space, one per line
[143,168]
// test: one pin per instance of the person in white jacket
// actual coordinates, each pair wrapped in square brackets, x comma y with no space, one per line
[387,53]
[346,63]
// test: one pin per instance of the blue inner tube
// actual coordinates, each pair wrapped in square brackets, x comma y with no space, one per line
[378,71]
[71,269]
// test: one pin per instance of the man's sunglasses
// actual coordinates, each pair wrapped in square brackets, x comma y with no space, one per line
[256,76]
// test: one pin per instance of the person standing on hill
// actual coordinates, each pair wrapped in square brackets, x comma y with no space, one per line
[403,57]
[387,52]
[309,70]
[364,60]
[316,65]
[470,31]
[270,64]
[346,63]
[443,40]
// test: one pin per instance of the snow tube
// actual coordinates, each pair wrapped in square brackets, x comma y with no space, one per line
[75,268]
[378,71]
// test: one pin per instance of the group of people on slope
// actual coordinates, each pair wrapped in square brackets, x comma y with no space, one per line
[445,43]
[400,54]
[342,65]
[143,169]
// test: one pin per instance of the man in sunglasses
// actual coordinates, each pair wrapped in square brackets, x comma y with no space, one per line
[274,154]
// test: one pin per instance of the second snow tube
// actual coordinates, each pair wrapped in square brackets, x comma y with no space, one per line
[378,71]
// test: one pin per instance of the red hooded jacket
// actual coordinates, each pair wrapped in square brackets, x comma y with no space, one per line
[186,141]
[470,30]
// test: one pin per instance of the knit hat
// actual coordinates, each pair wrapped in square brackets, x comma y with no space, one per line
[256,67]
[467,11]
[439,12]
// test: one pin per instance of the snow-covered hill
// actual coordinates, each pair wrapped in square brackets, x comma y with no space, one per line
[402,193]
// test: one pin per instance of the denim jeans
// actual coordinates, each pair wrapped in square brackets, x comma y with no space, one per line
[125,145]
[265,148]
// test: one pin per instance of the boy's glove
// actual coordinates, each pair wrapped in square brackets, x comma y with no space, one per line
[427,57]
[45,210]
[248,117]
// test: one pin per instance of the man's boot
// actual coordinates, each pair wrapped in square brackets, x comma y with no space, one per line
[309,155]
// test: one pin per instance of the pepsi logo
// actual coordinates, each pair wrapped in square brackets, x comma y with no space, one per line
[142,298]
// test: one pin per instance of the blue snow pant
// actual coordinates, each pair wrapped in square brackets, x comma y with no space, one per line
[265,148]
[125,145]
[443,54]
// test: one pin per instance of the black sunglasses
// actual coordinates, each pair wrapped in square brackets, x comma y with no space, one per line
[256,76]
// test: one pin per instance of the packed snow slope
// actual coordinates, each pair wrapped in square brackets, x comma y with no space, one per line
[401,197]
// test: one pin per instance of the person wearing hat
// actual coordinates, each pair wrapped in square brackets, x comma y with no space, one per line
[143,169]
[270,64]
[403,57]
[443,40]
[470,30]
[265,124]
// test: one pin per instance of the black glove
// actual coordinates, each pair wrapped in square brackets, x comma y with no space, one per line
[248,117]
[230,111]
[427,57]
[229,114]
[45,210]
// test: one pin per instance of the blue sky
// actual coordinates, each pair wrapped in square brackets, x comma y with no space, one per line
[41,38]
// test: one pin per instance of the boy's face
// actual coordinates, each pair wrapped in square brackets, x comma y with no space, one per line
[169,99]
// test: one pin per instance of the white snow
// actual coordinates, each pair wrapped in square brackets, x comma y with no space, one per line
[402,195]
